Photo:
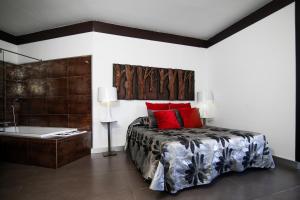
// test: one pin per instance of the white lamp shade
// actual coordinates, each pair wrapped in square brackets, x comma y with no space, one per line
[207,109]
[107,94]
[205,95]
[205,100]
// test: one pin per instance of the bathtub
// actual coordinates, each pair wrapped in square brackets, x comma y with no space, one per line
[36,131]
[33,145]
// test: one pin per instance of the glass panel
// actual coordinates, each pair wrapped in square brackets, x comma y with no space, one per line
[14,71]
[2,90]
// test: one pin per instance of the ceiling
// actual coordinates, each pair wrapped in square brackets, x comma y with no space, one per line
[193,18]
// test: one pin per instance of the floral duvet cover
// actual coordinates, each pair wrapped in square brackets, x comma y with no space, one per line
[176,159]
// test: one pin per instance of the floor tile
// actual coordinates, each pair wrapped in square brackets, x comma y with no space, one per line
[114,178]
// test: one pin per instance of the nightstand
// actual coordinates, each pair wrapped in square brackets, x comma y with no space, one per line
[109,152]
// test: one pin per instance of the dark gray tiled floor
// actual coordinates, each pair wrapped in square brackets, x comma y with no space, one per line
[96,177]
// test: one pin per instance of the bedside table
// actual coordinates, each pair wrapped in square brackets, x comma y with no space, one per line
[109,152]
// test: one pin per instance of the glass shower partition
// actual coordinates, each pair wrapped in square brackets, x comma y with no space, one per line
[15,68]
[2,86]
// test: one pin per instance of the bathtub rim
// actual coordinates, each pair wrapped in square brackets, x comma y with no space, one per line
[36,135]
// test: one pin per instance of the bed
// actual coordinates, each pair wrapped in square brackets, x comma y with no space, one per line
[180,158]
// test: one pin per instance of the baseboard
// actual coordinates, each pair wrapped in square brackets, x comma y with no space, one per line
[104,149]
[286,162]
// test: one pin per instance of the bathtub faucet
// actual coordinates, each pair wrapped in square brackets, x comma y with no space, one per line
[14,115]
[7,123]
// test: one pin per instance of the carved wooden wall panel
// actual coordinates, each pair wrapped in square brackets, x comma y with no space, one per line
[151,83]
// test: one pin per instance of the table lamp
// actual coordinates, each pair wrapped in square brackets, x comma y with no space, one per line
[106,95]
[206,105]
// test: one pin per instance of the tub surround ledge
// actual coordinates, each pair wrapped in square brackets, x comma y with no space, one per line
[51,152]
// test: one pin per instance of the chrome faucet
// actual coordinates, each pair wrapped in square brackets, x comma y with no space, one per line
[7,123]
[4,124]
[14,115]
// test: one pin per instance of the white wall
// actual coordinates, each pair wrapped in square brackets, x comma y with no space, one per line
[115,49]
[71,46]
[108,49]
[252,75]
[9,57]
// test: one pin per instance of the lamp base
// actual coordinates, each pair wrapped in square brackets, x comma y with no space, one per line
[204,121]
[108,154]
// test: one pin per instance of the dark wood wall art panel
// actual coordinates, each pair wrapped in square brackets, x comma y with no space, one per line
[51,93]
[151,83]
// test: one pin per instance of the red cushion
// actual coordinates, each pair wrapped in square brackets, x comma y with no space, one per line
[191,118]
[166,119]
[180,105]
[157,106]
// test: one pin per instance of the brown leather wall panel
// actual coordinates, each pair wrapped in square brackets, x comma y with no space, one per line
[35,71]
[72,148]
[36,87]
[34,120]
[1,109]
[58,120]
[79,104]
[51,93]
[79,67]
[13,149]
[50,152]
[35,106]
[80,85]
[57,87]
[83,120]
[56,69]
[15,89]
[57,105]
[41,152]
[1,92]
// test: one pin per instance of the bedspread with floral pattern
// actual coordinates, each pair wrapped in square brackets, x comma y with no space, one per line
[181,158]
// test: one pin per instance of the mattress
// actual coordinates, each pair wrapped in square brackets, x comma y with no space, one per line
[176,159]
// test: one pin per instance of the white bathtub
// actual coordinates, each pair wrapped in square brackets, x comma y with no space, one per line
[36,131]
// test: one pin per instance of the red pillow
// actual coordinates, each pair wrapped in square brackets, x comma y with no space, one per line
[166,119]
[180,105]
[191,118]
[157,106]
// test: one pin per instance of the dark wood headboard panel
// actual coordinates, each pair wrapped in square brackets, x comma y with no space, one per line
[150,83]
